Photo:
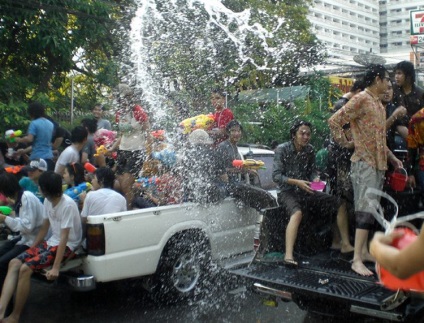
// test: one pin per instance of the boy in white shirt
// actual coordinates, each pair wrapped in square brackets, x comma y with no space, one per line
[62,216]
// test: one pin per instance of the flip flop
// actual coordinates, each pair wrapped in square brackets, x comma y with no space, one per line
[290,263]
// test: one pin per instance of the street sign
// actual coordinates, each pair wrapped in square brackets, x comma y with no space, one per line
[416,39]
[417,22]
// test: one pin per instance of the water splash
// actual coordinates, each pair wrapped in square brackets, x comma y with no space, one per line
[169,35]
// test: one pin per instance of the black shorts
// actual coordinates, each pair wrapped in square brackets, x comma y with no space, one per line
[130,162]
[318,203]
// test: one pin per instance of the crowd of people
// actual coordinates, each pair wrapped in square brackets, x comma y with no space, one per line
[374,118]
[62,177]
[91,170]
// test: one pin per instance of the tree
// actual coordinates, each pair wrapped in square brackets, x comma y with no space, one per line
[44,41]
[277,119]
[192,46]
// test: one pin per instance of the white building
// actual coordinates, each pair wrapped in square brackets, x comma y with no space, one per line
[347,27]
[355,27]
[395,25]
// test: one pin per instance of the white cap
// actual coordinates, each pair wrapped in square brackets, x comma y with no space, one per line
[35,164]
[200,136]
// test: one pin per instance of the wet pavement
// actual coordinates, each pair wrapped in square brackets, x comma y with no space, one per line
[128,302]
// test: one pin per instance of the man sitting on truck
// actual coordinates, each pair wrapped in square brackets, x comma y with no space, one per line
[293,170]
[62,217]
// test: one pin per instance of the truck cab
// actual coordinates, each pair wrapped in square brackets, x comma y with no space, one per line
[172,248]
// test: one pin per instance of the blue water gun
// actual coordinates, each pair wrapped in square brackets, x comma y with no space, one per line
[165,156]
[75,192]
[147,182]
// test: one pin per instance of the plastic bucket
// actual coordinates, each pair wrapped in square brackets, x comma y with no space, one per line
[398,179]
[414,282]
[318,186]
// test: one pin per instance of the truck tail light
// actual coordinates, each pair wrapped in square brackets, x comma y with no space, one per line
[257,236]
[95,239]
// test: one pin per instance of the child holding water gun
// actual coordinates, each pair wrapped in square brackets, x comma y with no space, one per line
[26,218]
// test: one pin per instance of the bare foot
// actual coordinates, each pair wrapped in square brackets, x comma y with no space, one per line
[10,319]
[359,268]
[346,248]
[335,246]
[367,257]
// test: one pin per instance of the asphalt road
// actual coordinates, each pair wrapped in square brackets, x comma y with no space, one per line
[128,302]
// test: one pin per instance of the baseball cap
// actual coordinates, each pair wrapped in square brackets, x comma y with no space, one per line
[35,164]
[200,136]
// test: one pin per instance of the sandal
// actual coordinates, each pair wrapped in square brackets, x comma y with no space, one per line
[290,263]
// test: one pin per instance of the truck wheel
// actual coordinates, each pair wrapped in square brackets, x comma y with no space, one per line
[182,271]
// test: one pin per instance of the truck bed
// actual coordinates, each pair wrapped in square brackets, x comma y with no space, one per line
[324,283]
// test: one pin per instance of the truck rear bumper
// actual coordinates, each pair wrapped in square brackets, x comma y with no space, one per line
[79,283]
[288,296]
[262,289]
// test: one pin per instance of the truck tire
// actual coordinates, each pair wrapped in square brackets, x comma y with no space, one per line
[182,270]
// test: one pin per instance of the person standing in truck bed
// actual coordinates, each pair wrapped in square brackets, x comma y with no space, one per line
[367,118]
[293,170]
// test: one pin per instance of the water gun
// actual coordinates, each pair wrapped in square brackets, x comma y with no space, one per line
[165,156]
[202,121]
[249,163]
[12,134]
[147,182]
[89,167]
[6,210]
[13,169]
[75,192]
[100,151]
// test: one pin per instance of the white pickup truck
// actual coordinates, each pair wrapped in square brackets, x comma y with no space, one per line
[171,247]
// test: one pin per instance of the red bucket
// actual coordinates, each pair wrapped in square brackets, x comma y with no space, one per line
[414,282]
[398,179]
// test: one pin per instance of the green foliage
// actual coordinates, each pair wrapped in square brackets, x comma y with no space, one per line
[276,121]
[14,116]
[43,43]
[196,51]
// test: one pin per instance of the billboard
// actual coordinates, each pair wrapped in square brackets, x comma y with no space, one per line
[417,22]
[416,39]
[342,83]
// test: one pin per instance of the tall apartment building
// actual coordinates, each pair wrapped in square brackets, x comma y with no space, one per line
[395,25]
[352,27]
[347,27]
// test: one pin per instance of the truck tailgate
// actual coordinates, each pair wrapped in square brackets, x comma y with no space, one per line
[327,279]
[313,281]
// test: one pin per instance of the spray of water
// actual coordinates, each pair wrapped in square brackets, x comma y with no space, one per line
[170,36]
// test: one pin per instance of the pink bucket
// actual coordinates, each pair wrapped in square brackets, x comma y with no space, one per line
[318,186]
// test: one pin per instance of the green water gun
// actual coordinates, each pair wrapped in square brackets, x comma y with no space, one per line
[6,210]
